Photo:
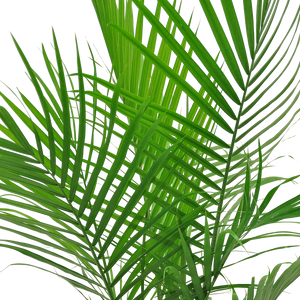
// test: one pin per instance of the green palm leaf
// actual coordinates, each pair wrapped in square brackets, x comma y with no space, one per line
[144,175]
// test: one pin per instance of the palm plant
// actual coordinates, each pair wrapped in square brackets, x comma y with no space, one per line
[141,186]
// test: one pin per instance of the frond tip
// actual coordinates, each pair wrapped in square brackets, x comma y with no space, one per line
[5,268]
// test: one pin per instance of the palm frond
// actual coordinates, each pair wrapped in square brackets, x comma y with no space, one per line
[161,213]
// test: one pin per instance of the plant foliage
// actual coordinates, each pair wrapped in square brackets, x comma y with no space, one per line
[141,185]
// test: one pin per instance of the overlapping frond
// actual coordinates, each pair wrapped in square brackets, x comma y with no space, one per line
[259,38]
